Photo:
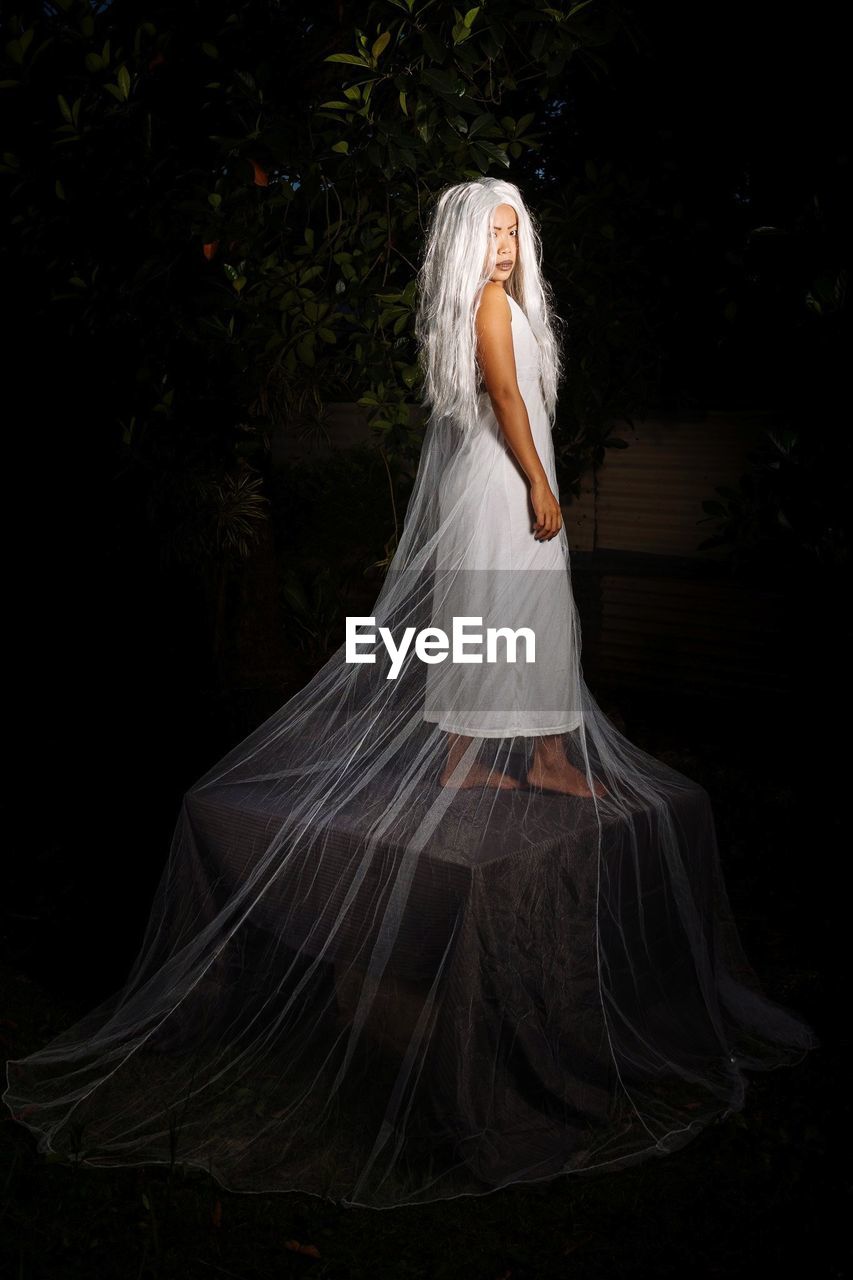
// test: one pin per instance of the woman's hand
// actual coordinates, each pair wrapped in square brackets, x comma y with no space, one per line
[549,517]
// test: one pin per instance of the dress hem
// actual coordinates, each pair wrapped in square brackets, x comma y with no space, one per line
[472,732]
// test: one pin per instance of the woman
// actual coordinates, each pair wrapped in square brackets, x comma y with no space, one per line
[435,927]
[500,522]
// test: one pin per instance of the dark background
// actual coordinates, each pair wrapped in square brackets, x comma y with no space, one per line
[115,704]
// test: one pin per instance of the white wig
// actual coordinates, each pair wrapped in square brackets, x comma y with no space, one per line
[459,259]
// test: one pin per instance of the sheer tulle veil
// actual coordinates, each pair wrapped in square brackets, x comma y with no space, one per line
[362,976]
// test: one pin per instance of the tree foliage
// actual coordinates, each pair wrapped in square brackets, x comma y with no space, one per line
[221,209]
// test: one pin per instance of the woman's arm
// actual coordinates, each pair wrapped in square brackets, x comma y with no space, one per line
[496,357]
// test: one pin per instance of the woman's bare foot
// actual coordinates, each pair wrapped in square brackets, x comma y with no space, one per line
[563,777]
[552,771]
[477,774]
[480,776]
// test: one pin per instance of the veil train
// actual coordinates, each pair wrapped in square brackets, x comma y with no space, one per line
[365,979]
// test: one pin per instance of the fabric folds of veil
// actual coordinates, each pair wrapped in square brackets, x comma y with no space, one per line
[364,980]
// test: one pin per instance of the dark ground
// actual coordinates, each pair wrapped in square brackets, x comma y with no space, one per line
[758,1195]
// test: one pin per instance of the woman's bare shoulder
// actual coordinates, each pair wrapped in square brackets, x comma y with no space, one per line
[494,301]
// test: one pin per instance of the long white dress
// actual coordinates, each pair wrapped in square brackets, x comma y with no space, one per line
[489,565]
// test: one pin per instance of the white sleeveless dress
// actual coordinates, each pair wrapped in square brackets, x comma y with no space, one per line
[489,565]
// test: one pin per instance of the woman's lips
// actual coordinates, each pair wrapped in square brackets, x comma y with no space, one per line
[504,266]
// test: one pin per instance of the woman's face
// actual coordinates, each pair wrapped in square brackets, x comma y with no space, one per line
[505,236]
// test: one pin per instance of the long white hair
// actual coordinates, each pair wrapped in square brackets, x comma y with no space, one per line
[459,259]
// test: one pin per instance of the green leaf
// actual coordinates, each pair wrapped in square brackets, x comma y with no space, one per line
[16,49]
[496,153]
[342,147]
[381,44]
[64,108]
[124,82]
[481,122]
[350,58]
